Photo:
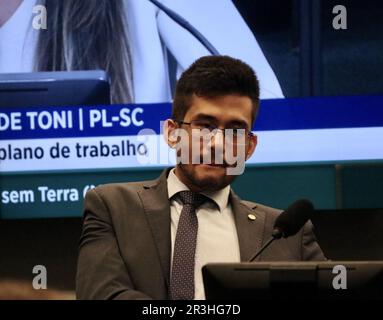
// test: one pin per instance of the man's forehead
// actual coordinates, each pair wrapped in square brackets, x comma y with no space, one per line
[223,108]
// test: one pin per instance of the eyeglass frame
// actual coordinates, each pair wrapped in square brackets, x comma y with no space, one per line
[212,128]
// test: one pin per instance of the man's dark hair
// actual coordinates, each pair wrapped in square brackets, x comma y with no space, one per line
[214,76]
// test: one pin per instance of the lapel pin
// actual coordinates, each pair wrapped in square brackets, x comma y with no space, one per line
[252,217]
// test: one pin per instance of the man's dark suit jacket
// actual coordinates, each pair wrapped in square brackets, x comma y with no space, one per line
[125,245]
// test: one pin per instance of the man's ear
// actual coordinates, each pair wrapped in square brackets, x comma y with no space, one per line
[251,147]
[170,132]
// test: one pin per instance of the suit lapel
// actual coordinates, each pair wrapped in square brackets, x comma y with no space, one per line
[250,232]
[156,205]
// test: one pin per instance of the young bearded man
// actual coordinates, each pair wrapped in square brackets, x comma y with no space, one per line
[150,239]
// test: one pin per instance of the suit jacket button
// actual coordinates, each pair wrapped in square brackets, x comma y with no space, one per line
[252,217]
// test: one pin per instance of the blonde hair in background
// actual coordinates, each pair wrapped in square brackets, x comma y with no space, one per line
[88,35]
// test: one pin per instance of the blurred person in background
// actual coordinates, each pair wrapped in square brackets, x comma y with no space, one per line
[137,44]
[23,290]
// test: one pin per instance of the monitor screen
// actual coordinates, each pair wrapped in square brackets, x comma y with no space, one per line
[55,88]
[65,127]
[294,280]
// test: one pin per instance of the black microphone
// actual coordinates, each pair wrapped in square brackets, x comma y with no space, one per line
[289,222]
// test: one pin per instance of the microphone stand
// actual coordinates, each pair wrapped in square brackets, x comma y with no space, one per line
[277,234]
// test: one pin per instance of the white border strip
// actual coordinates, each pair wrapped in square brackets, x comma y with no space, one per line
[285,146]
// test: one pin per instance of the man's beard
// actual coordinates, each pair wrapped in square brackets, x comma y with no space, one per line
[207,183]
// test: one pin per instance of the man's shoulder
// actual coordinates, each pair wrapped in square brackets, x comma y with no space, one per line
[135,185]
[122,187]
[261,207]
[116,198]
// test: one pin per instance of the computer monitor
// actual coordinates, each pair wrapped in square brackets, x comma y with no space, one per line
[294,280]
[58,88]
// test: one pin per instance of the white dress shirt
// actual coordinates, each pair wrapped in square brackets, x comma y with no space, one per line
[217,239]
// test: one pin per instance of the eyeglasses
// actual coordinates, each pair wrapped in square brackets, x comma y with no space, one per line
[213,129]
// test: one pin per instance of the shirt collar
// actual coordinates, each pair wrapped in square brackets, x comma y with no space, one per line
[220,197]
